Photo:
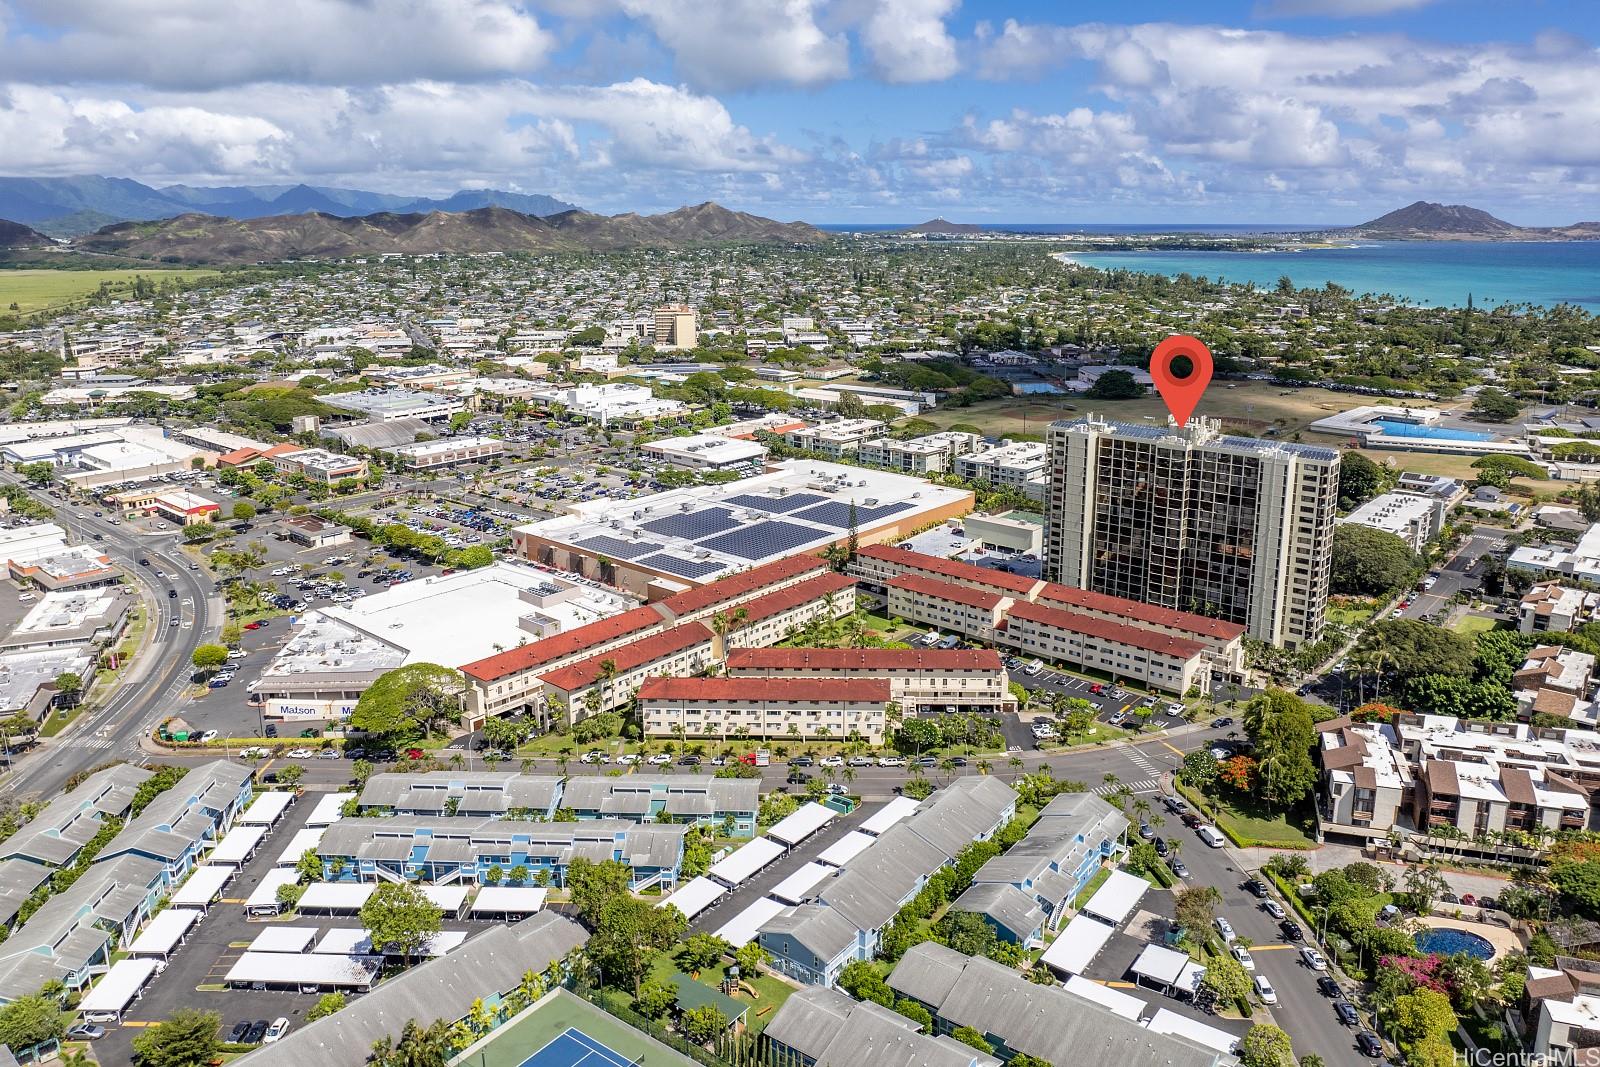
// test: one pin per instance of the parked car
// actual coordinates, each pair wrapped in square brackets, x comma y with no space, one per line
[1242,954]
[1291,930]
[208,736]
[1327,986]
[859,761]
[833,761]
[1369,1044]
[1256,888]
[1273,908]
[85,1032]
[1313,958]
[1210,836]
[1265,991]
[798,777]
[1146,831]
[279,1027]
[240,1029]
[1180,868]
[1162,848]
[1224,928]
[1346,1012]
[891,761]
[660,759]
[258,1030]
[837,790]
[306,753]
[802,761]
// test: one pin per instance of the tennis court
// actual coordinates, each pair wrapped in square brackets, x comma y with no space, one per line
[563,1030]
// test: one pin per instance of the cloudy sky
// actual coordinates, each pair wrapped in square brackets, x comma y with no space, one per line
[831,110]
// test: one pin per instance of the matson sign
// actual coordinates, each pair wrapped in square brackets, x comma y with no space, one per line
[326,710]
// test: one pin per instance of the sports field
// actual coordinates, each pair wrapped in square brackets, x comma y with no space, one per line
[45,290]
[564,1030]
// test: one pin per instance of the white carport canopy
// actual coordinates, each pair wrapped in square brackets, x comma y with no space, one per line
[1128,1006]
[1163,966]
[740,867]
[266,894]
[302,842]
[165,932]
[266,809]
[284,939]
[885,817]
[203,886]
[450,899]
[237,847]
[508,900]
[695,896]
[1077,945]
[119,988]
[793,889]
[846,848]
[740,930]
[304,970]
[327,811]
[1117,896]
[1165,1021]
[338,897]
[801,824]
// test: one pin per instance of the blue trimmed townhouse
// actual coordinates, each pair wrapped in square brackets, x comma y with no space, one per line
[185,821]
[485,794]
[1031,887]
[450,849]
[844,918]
[724,803]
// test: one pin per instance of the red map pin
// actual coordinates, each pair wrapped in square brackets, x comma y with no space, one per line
[1181,394]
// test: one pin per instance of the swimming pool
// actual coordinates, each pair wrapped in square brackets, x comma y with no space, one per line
[1448,942]
[1395,428]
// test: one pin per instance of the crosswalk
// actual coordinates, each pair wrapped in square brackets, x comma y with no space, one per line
[1140,760]
[1143,785]
[86,742]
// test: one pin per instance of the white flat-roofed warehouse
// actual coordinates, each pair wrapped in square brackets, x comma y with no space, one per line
[339,650]
[385,405]
[687,537]
[304,971]
[706,451]
[446,452]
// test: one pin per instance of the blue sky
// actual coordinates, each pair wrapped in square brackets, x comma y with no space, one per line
[831,110]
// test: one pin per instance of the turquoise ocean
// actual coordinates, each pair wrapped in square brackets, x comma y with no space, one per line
[1433,273]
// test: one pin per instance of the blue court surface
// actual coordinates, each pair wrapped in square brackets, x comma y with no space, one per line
[574,1048]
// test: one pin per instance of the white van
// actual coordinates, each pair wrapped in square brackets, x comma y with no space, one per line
[1210,836]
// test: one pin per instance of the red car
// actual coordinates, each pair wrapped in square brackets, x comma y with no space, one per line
[252,626]
[1096,688]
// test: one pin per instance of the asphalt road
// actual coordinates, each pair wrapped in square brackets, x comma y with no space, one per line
[157,677]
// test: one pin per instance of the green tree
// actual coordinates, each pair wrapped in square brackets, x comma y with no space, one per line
[917,735]
[1226,979]
[1495,405]
[1360,480]
[1266,1046]
[409,701]
[700,951]
[592,885]
[244,511]
[1579,884]
[1368,562]
[69,684]
[1420,1016]
[657,999]
[209,657]
[861,980]
[1115,385]
[969,1036]
[702,1025]
[401,915]
[326,1005]
[187,1039]
[1282,728]
[1409,649]
[915,1012]
[1200,769]
[629,934]
[418,1046]
[30,1021]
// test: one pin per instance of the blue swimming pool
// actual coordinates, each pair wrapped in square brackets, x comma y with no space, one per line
[1449,942]
[1395,428]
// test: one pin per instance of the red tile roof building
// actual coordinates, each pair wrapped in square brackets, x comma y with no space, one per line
[685,649]
[802,708]
[920,679]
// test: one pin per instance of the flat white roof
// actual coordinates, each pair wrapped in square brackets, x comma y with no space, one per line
[793,889]
[266,808]
[802,823]
[846,848]
[335,896]
[299,968]
[237,845]
[164,932]
[267,892]
[344,941]
[302,842]
[120,985]
[509,900]
[740,930]
[326,813]
[448,897]
[1165,1021]
[1117,896]
[1078,945]
[1126,1005]
[203,886]
[1160,964]
[745,862]
[284,939]
[885,817]
[695,896]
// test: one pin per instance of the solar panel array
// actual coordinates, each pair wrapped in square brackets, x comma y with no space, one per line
[618,548]
[775,503]
[762,539]
[688,568]
[692,525]
[837,513]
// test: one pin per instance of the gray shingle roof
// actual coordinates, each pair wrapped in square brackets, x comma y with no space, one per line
[591,792]
[177,818]
[835,1030]
[443,988]
[69,821]
[1005,905]
[822,931]
[1070,826]
[453,838]
[475,791]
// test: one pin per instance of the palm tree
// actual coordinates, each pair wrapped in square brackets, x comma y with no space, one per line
[1015,763]
[984,766]
[1111,781]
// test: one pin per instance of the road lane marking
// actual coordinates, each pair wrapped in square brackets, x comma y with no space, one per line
[1175,748]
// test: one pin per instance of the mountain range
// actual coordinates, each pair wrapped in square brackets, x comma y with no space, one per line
[203,238]
[1425,221]
[68,207]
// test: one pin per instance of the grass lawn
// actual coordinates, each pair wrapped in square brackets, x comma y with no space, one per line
[1349,615]
[43,290]
[770,991]
[1475,624]
[1254,826]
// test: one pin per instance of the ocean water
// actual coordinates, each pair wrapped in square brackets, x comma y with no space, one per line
[1433,273]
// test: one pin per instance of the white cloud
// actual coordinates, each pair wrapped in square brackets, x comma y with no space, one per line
[203,44]
[908,41]
[1019,50]
[740,43]
[1340,8]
